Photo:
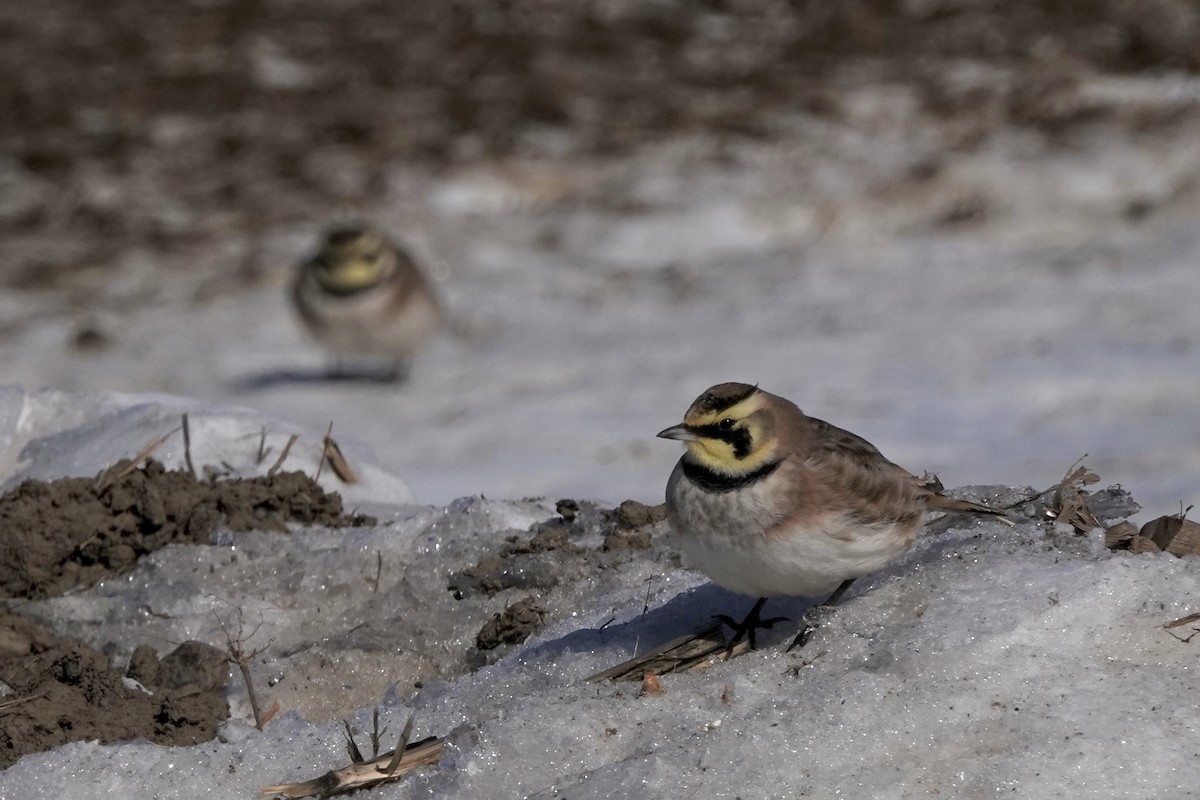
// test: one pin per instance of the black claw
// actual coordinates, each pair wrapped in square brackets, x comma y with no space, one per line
[801,638]
[809,628]
[748,626]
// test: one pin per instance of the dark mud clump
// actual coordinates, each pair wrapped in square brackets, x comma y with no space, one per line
[582,541]
[513,625]
[57,535]
[64,691]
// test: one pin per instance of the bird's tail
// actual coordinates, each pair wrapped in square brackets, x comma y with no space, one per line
[941,502]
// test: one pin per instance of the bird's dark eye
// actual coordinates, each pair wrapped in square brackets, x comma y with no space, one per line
[725,425]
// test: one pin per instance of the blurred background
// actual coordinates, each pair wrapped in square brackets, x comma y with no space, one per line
[963,229]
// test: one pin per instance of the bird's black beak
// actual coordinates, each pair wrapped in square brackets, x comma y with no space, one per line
[681,432]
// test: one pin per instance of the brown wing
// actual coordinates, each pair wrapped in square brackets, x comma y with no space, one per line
[853,474]
[407,282]
[874,487]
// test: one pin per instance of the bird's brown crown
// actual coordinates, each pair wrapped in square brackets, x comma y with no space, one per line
[733,429]
[352,259]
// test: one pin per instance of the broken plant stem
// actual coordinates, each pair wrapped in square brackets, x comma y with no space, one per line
[235,645]
[287,448]
[187,446]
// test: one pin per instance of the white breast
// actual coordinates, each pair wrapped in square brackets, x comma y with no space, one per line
[725,537]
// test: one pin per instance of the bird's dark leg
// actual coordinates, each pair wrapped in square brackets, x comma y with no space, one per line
[748,626]
[807,630]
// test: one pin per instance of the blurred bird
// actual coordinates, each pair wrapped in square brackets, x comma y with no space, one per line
[364,298]
[770,502]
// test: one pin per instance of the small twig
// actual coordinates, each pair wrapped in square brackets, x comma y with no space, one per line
[106,479]
[1183,621]
[235,646]
[690,651]
[361,776]
[287,448]
[1190,618]
[187,446]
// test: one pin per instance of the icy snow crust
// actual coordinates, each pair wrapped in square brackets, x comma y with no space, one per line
[49,434]
[991,661]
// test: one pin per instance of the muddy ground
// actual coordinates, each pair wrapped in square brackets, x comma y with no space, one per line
[66,534]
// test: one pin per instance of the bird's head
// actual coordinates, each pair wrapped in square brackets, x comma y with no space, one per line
[731,429]
[351,260]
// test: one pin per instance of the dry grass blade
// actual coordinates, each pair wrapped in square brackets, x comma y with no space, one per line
[287,448]
[687,652]
[1190,618]
[261,455]
[356,756]
[270,713]
[106,478]
[405,735]
[5,707]
[362,776]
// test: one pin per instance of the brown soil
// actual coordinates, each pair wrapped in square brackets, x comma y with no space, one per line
[549,556]
[58,535]
[64,691]
[62,534]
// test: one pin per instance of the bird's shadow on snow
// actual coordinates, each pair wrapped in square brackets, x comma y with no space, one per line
[683,614]
[302,376]
[691,610]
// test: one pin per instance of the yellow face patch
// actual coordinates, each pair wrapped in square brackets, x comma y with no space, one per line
[350,264]
[346,276]
[734,441]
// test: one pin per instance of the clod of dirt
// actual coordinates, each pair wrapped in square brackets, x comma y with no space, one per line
[515,624]
[65,691]
[633,514]
[582,543]
[627,540]
[193,665]
[567,509]
[57,535]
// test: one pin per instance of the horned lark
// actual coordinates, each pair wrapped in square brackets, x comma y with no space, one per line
[364,298]
[770,502]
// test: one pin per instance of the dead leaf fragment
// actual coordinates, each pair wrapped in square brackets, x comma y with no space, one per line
[650,685]
[1069,503]
[1175,533]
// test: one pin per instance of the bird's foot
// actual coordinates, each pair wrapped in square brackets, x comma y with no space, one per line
[813,619]
[747,627]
